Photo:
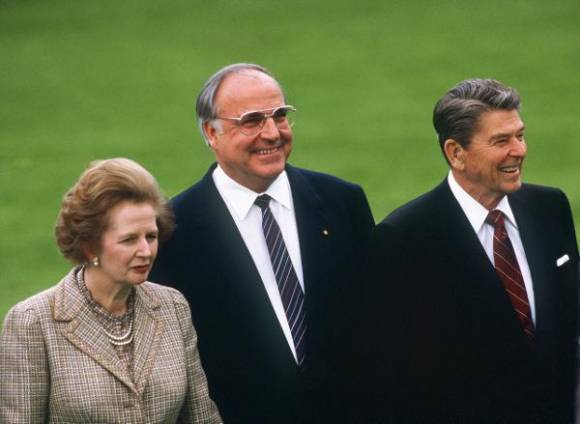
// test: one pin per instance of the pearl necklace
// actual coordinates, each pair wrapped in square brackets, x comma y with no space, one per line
[123,339]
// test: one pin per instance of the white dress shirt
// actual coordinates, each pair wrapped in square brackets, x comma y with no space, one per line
[476,214]
[248,218]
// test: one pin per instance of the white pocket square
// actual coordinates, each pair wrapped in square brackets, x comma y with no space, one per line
[562,260]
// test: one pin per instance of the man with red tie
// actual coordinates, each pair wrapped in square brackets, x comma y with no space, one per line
[474,296]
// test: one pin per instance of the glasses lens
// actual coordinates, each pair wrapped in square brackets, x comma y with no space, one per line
[252,120]
[252,123]
[282,116]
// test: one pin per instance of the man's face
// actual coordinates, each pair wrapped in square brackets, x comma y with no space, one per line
[253,161]
[491,165]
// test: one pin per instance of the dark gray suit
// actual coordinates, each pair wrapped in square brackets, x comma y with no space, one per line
[252,374]
[448,347]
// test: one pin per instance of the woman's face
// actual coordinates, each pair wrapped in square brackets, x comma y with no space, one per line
[129,244]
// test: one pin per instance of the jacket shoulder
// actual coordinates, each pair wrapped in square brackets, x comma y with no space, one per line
[168,301]
[163,294]
[32,310]
[36,301]
[320,179]
[333,194]
[189,197]
[417,210]
[534,191]
[546,202]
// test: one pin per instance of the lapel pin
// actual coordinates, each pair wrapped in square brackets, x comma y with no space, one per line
[325,232]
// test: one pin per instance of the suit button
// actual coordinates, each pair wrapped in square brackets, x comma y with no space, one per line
[128,404]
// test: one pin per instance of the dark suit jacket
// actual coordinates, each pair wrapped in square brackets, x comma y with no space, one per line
[447,346]
[252,375]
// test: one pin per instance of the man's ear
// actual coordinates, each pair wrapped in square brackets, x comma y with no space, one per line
[210,132]
[455,154]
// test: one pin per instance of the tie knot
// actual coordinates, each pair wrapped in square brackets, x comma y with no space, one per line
[263,201]
[495,217]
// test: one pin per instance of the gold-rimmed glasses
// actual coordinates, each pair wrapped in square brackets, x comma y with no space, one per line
[252,122]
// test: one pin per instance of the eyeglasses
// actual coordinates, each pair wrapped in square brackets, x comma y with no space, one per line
[252,122]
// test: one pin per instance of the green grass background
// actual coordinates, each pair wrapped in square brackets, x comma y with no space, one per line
[81,80]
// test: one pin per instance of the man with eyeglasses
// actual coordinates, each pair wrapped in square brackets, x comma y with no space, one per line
[265,253]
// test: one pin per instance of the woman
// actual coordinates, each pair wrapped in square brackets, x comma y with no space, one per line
[104,345]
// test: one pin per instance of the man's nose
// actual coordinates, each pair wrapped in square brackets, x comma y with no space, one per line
[519,147]
[270,130]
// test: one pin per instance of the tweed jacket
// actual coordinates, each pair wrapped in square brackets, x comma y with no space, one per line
[57,365]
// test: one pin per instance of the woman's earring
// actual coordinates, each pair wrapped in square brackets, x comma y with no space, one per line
[95,261]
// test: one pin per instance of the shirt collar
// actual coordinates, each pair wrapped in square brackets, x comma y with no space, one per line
[475,212]
[241,199]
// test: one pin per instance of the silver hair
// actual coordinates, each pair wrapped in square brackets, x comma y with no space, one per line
[457,113]
[205,107]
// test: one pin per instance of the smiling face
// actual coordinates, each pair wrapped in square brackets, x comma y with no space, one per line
[128,245]
[253,161]
[491,165]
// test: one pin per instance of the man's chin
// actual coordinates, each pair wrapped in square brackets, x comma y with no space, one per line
[271,173]
[271,166]
[512,187]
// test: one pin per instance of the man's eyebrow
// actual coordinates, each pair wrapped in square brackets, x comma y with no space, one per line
[507,134]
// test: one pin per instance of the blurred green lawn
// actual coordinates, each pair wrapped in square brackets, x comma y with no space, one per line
[81,80]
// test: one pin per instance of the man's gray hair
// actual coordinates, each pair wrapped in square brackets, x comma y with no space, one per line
[205,106]
[457,113]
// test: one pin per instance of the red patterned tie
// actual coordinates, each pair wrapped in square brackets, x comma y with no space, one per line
[506,266]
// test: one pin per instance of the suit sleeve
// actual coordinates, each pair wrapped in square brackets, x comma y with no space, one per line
[24,385]
[383,325]
[198,406]
[571,248]
[569,227]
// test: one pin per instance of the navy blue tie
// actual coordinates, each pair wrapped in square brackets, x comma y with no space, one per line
[286,278]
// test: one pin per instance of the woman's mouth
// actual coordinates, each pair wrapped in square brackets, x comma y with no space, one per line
[141,269]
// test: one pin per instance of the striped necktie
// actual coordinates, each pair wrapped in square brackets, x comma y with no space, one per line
[508,270]
[286,278]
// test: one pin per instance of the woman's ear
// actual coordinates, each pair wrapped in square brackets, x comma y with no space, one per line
[89,253]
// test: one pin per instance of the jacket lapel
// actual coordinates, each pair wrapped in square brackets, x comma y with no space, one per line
[458,239]
[477,282]
[234,264]
[486,288]
[313,228]
[215,224]
[147,336]
[79,328]
[535,248]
